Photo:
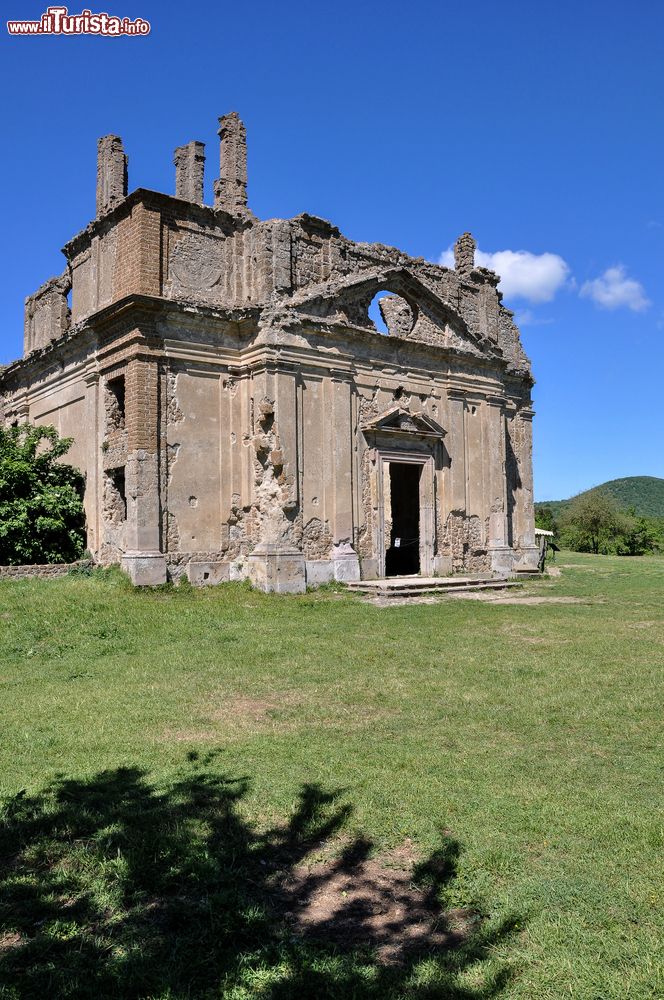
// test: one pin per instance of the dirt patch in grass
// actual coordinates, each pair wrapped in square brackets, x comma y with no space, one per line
[357,901]
[189,735]
[221,713]
[352,716]
[241,710]
[542,600]
[523,599]
[239,715]
[489,596]
[520,632]
[396,602]
[533,640]
[10,940]
[588,569]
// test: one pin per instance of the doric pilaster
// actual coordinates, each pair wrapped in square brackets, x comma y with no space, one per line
[343,555]
[456,444]
[143,559]
[92,459]
[277,562]
[499,550]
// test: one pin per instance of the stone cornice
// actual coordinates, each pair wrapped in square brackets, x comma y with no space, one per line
[142,312]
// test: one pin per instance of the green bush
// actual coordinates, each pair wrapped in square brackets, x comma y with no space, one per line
[41,498]
[640,536]
[593,522]
[545,519]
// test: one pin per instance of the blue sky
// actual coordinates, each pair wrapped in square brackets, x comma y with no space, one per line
[539,127]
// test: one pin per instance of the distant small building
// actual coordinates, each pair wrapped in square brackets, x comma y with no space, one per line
[544,539]
[235,411]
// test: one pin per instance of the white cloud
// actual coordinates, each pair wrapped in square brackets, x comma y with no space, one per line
[613,290]
[447,258]
[531,276]
[526,317]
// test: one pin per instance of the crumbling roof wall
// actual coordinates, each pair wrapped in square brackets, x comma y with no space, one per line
[195,255]
[223,257]
[47,313]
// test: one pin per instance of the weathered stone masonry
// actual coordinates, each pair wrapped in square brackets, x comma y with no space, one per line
[236,412]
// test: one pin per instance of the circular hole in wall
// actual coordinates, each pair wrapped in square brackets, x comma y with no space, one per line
[391,314]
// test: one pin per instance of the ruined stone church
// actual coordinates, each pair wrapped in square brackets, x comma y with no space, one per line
[237,413]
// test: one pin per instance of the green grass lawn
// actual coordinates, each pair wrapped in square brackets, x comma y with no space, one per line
[163,752]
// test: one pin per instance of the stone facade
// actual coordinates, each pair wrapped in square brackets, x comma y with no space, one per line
[237,413]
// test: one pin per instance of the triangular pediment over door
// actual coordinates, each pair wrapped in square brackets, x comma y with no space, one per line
[399,421]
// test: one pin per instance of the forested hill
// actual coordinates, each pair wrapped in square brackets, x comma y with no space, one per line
[644,493]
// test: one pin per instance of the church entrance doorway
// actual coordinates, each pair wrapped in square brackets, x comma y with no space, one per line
[402,557]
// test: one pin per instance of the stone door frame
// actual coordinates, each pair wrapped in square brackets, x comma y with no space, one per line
[427,505]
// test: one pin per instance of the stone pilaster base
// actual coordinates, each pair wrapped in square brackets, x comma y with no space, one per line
[346,563]
[369,568]
[319,572]
[272,567]
[527,559]
[145,569]
[442,566]
[202,574]
[502,560]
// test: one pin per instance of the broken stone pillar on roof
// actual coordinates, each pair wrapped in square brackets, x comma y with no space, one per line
[47,315]
[111,173]
[230,190]
[189,163]
[464,253]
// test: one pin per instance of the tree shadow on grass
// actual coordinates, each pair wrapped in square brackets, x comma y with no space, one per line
[110,887]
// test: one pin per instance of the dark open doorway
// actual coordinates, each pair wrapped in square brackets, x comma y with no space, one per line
[403,555]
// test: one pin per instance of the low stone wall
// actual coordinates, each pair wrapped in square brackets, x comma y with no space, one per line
[46,572]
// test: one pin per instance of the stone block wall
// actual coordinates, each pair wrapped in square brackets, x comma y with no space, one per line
[47,571]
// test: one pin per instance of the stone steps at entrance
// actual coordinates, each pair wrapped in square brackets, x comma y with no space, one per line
[412,586]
